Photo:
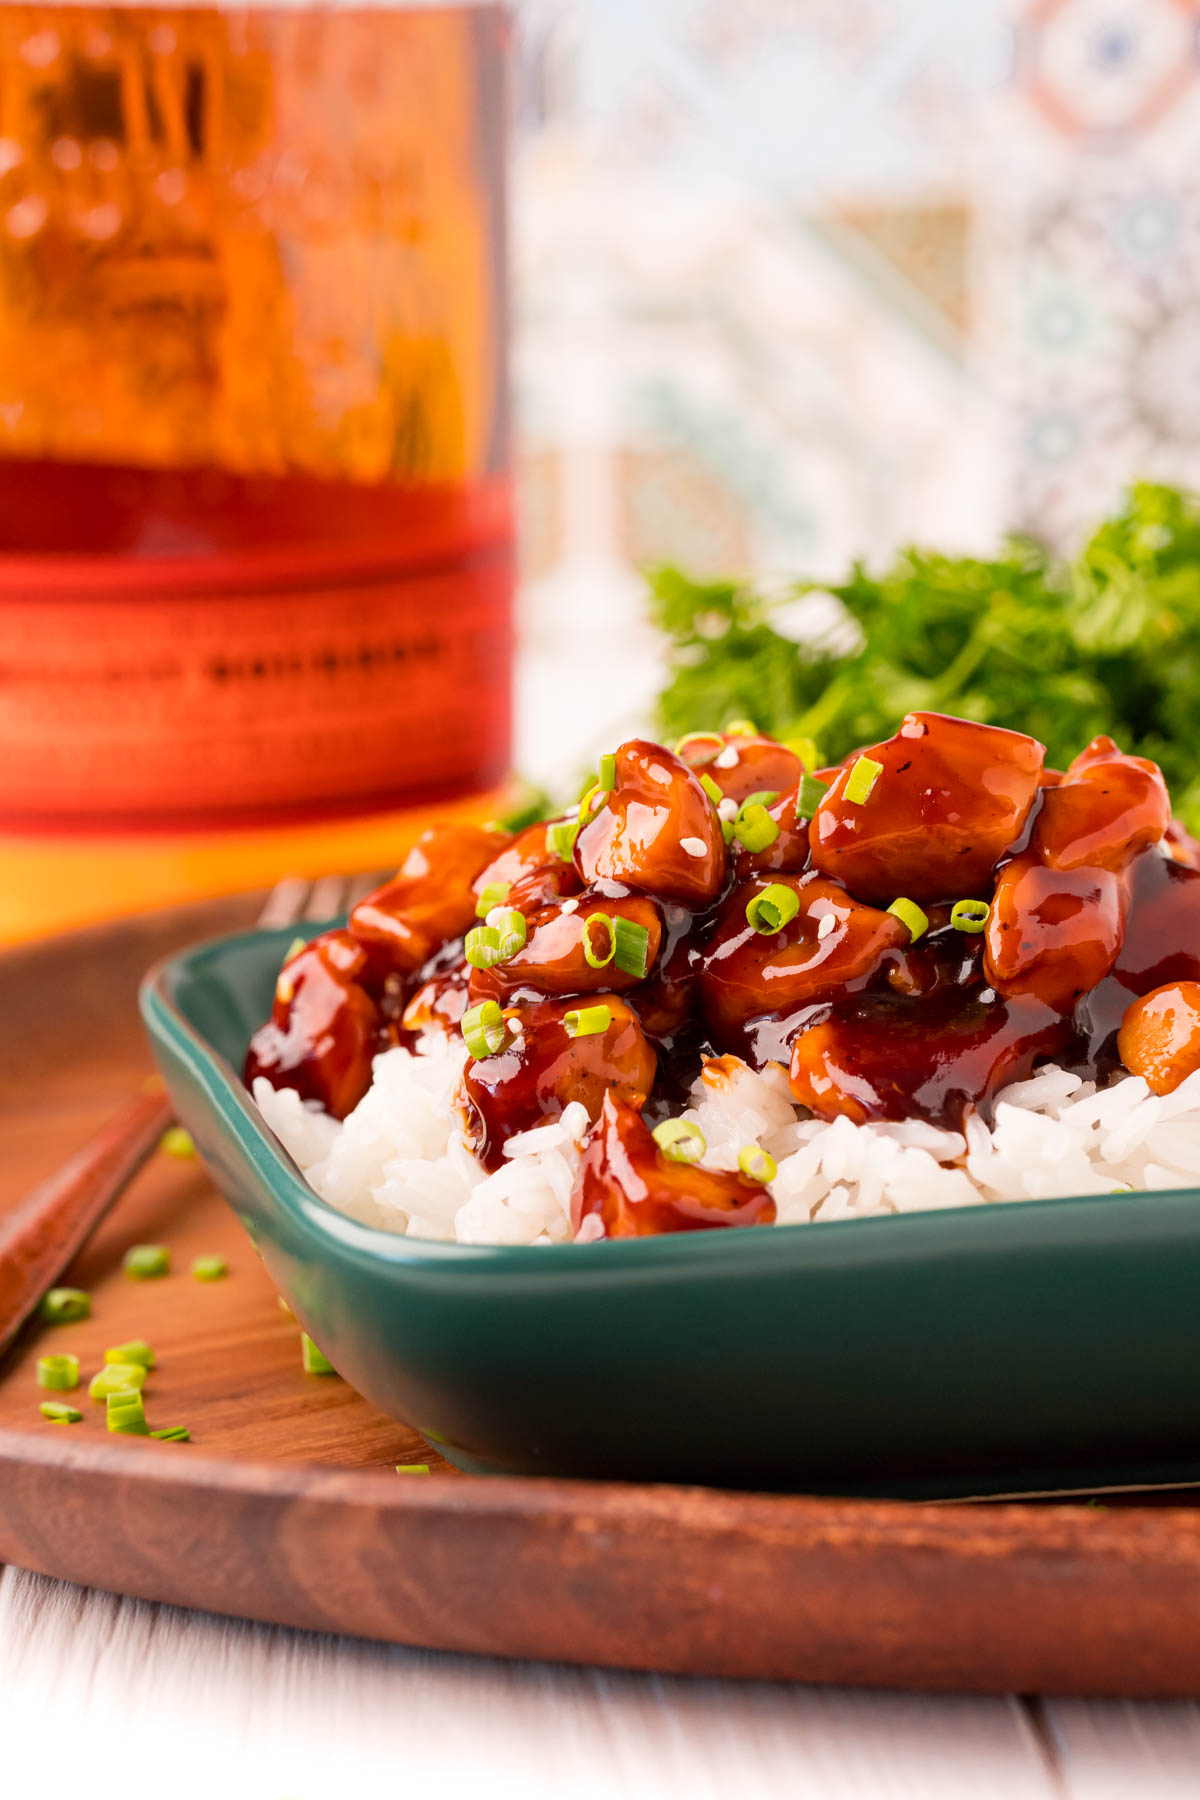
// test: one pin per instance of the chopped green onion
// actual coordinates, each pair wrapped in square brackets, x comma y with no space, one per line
[294,948]
[715,794]
[484,1029]
[591,951]
[125,1411]
[969,915]
[806,750]
[757,1164]
[809,796]
[137,1350]
[587,1021]
[727,830]
[680,1140]
[59,1413]
[608,773]
[115,1376]
[482,946]
[765,797]
[741,728]
[209,1268]
[172,1434]
[699,747]
[283,1306]
[146,1262]
[494,894]
[561,838]
[911,915]
[861,779]
[315,1361]
[175,1141]
[632,943]
[513,931]
[63,1306]
[412,1468]
[593,799]
[58,1372]
[754,827]
[772,909]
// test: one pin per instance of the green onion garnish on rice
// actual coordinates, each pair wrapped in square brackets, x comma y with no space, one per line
[772,909]
[113,1377]
[680,1140]
[64,1305]
[60,1372]
[315,1361]
[861,780]
[209,1268]
[809,796]
[758,1164]
[146,1262]
[598,954]
[587,1021]
[137,1350]
[59,1413]
[484,1029]
[632,945]
[969,915]
[910,914]
[494,894]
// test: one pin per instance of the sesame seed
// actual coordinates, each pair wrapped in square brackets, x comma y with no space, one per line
[728,809]
[728,758]
[570,906]
[828,924]
[694,846]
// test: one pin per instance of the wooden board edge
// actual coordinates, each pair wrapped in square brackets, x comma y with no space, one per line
[1064,1600]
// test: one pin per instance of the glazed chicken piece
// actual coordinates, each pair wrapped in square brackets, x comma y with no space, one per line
[627,1182]
[742,764]
[657,831]
[950,800]
[1053,933]
[1159,1038]
[885,1056]
[786,854]
[324,1027]
[830,942]
[621,937]
[542,1068]
[1105,809]
[431,898]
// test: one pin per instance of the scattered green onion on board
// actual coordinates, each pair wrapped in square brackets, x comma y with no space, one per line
[172,1434]
[632,943]
[910,914]
[772,909]
[63,1306]
[175,1141]
[125,1411]
[412,1468]
[209,1268]
[809,796]
[494,894]
[59,1413]
[587,1021]
[969,915]
[315,1361]
[599,955]
[680,1140]
[146,1262]
[61,1372]
[861,780]
[484,1029]
[137,1350]
[754,827]
[113,1377]
[758,1164]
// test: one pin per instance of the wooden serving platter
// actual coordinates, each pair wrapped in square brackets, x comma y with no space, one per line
[286,1505]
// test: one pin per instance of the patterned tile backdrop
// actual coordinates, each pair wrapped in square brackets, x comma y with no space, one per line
[800,279]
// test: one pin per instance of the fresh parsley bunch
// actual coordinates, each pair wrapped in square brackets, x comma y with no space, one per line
[1108,642]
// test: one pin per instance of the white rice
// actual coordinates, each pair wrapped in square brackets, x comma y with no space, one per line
[399,1162]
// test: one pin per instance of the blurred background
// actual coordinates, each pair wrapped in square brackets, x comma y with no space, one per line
[785,283]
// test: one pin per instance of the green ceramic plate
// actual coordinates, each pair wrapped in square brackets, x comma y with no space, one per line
[1036,1346]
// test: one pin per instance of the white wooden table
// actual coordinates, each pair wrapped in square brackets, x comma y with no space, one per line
[115,1697]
